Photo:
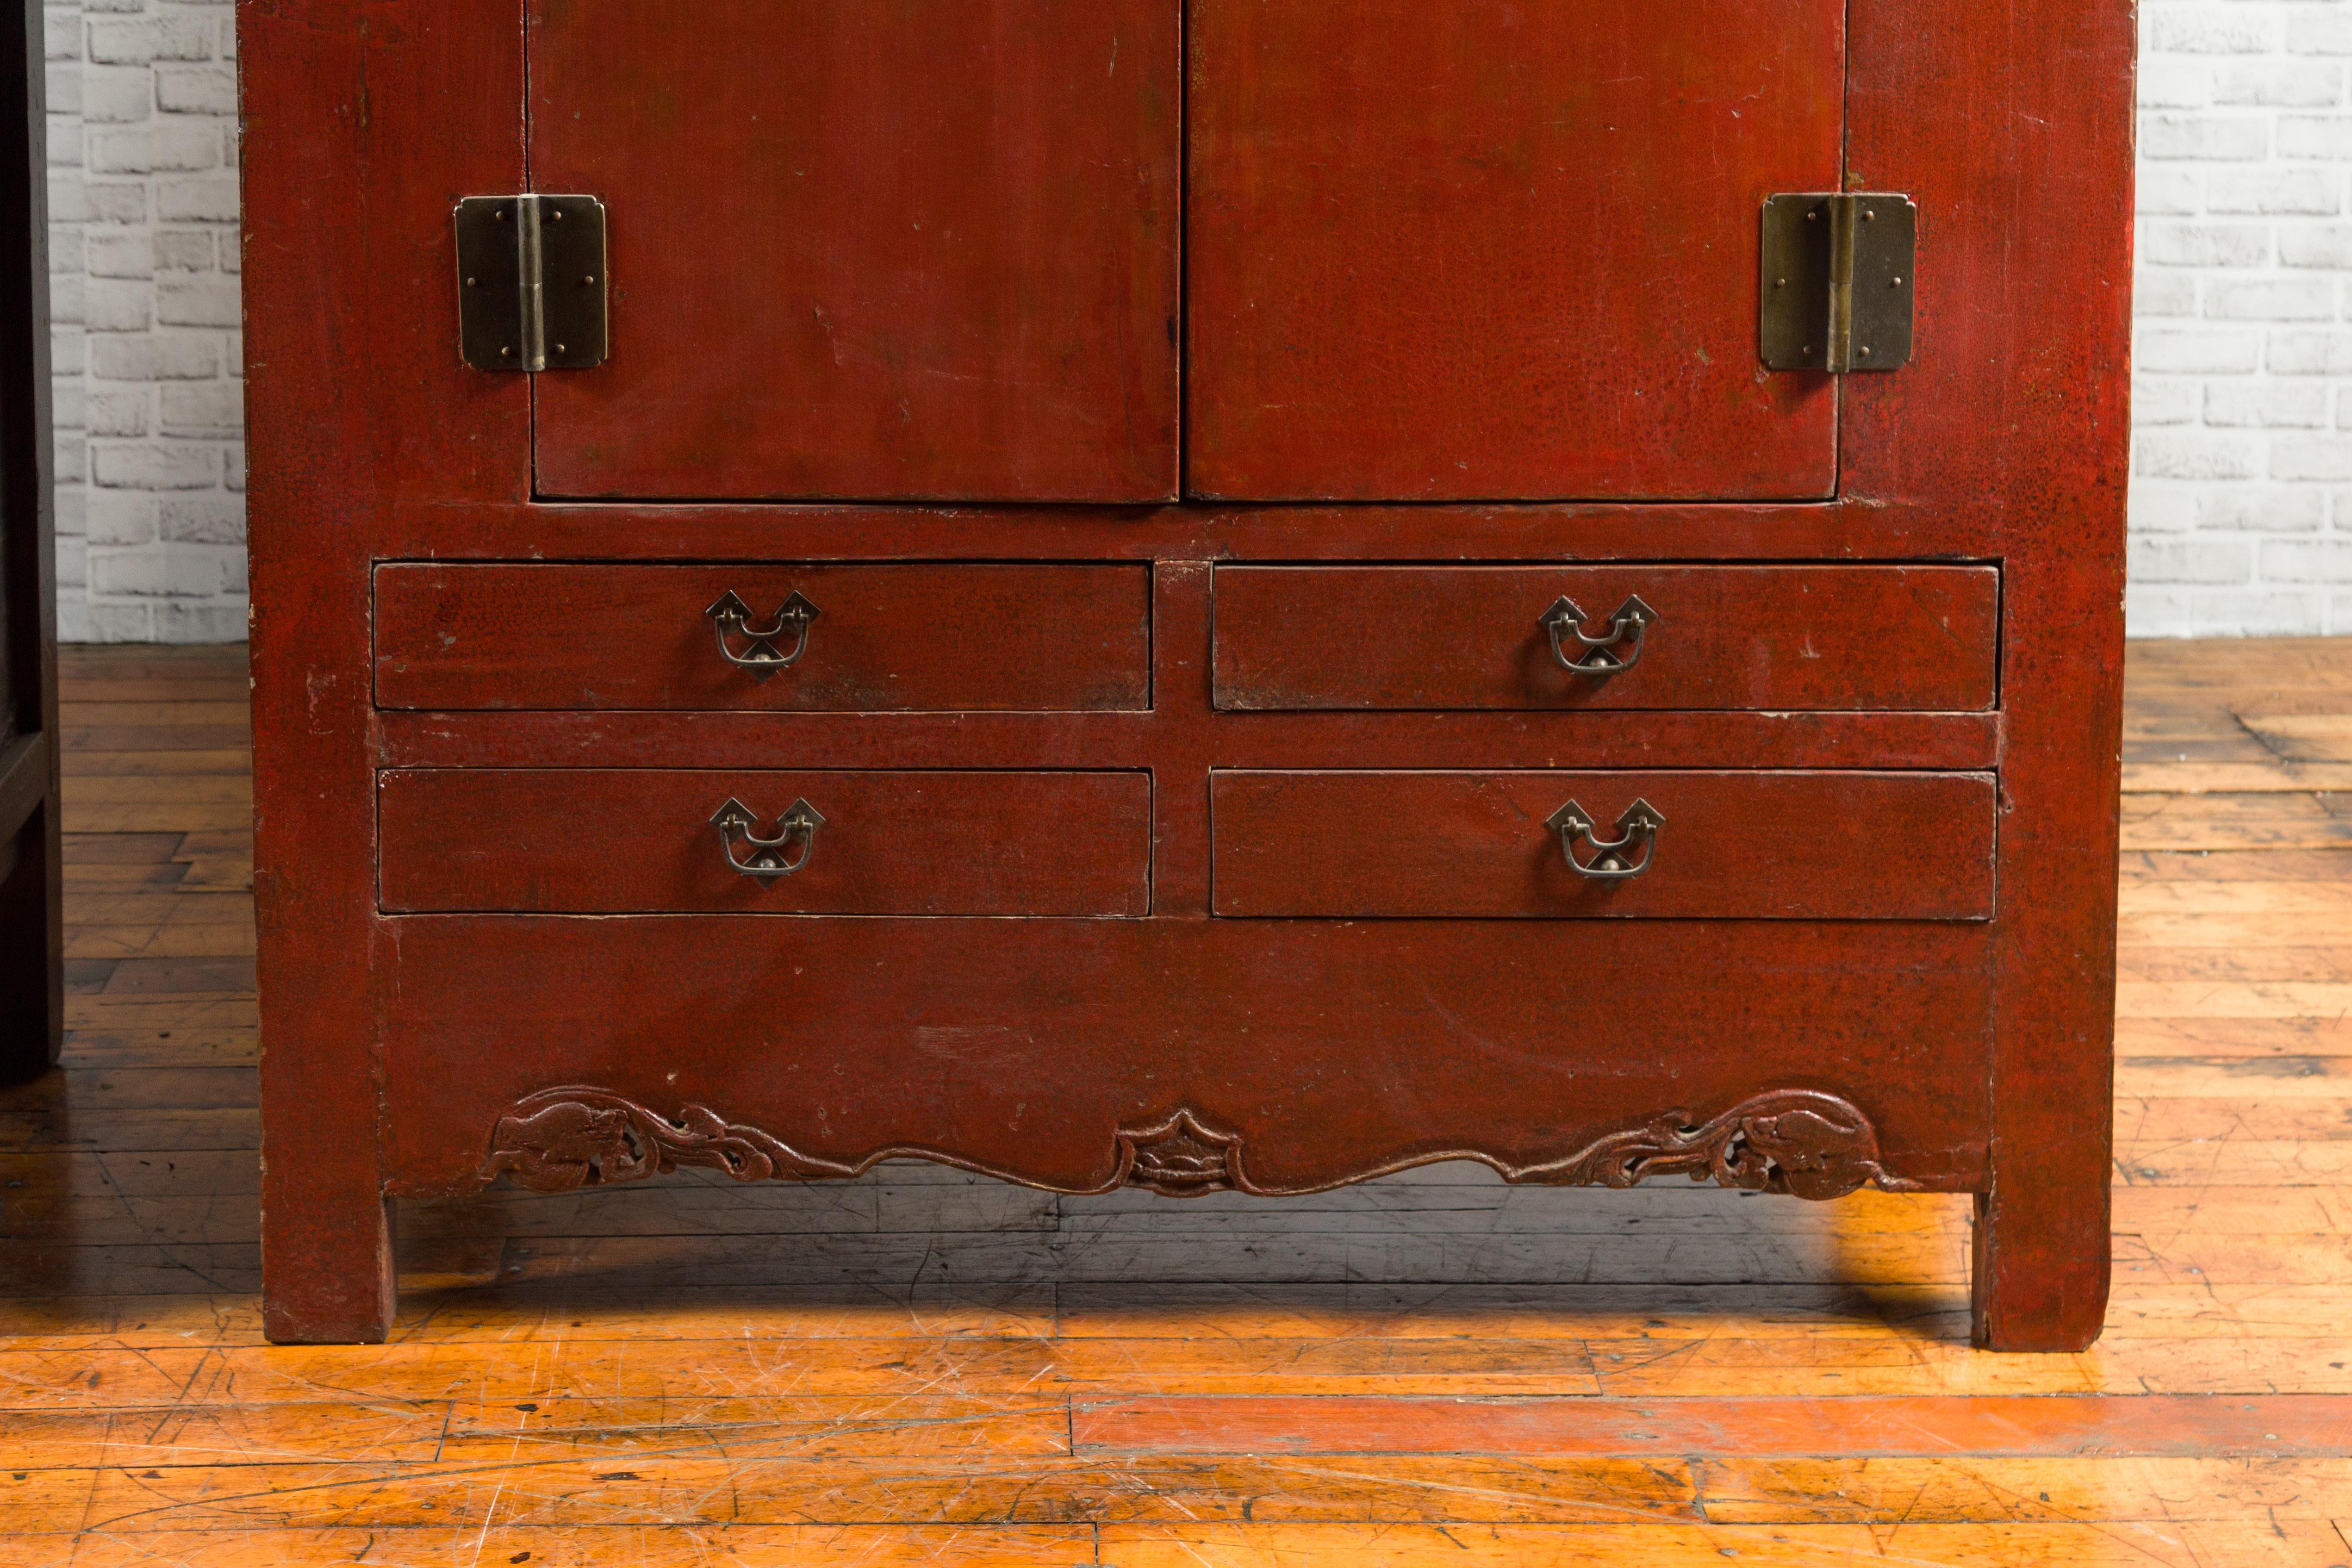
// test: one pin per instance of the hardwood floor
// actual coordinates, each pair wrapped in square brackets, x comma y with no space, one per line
[1433,1368]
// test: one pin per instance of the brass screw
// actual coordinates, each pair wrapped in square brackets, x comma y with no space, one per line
[559,349]
[1868,215]
[1897,284]
[472,282]
[1809,348]
[1780,282]
[1865,354]
[507,353]
[591,278]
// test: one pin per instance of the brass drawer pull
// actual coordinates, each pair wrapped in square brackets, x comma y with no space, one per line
[1601,656]
[1640,826]
[730,617]
[768,862]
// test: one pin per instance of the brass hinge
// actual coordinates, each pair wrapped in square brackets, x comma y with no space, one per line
[531,282]
[1838,281]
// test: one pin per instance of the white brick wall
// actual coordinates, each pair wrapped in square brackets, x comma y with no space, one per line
[2241,460]
[2242,491]
[142,200]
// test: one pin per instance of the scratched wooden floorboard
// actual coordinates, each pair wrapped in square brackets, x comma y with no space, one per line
[920,1367]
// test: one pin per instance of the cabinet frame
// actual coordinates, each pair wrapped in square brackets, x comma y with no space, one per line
[2004,441]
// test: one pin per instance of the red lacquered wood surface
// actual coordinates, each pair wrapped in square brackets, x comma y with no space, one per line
[1753,845]
[1445,250]
[1980,1051]
[369,121]
[949,638]
[1776,637]
[868,249]
[1332,1050]
[616,841]
[2010,126]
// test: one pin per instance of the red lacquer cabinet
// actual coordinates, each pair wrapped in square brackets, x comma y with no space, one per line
[1204,594]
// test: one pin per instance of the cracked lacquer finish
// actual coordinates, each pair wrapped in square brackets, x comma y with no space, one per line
[1877,706]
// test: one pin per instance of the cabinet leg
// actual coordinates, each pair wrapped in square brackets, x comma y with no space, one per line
[327,1272]
[32,978]
[2039,1280]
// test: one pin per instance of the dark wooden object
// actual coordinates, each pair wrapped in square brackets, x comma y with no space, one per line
[1930,1009]
[32,927]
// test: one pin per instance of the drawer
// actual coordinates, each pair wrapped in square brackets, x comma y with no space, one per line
[1773,637]
[622,841]
[915,638]
[1725,846]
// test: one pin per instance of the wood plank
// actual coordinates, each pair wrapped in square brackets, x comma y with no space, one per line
[156,682]
[697,1546]
[2232,822]
[265,1445]
[182,977]
[115,1049]
[649,1483]
[158,909]
[174,817]
[2272,777]
[604,1311]
[2195,866]
[168,1013]
[2232,999]
[109,879]
[2322,738]
[2296,1545]
[225,762]
[1447,1370]
[96,738]
[2147,961]
[174,941]
[2317,1426]
[121,848]
[2233,1036]
[170,714]
[163,790]
[2262,900]
[2243,1160]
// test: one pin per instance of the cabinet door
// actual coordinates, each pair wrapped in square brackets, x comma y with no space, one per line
[1494,250]
[920,249]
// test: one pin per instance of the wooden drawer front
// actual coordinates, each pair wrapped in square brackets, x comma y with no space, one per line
[620,841]
[885,637]
[1732,845]
[1776,638]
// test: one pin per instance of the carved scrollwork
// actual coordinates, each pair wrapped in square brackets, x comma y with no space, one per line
[1797,1141]
[560,1139]
[1181,1158]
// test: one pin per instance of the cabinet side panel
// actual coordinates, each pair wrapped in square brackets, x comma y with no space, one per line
[364,123]
[2011,125]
